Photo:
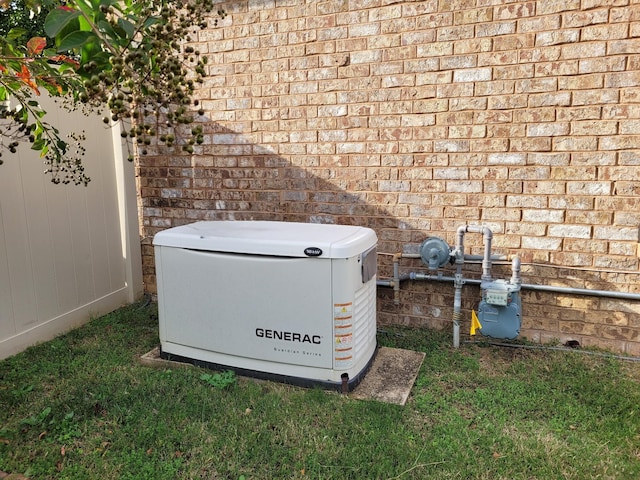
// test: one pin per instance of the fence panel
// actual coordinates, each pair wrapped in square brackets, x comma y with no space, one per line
[67,252]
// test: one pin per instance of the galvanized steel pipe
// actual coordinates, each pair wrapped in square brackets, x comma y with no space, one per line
[525,286]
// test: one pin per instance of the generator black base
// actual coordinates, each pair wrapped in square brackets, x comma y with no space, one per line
[347,384]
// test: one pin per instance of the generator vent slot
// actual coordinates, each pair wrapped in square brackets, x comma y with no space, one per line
[364,328]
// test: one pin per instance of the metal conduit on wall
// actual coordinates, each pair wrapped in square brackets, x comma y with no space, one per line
[527,286]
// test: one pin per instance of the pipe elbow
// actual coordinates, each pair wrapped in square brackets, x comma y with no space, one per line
[515,271]
[458,251]
[486,231]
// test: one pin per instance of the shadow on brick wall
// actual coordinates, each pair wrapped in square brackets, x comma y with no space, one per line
[231,178]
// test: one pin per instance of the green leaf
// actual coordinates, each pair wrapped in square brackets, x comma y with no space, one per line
[16,32]
[58,19]
[38,144]
[219,380]
[90,50]
[23,115]
[118,32]
[62,146]
[87,7]
[106,27]
[75,40]
[36,420]
[85,25]
[127,26]
[151,21]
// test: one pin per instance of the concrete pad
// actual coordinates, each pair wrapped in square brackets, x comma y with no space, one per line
[389,379]
[153,359]
[391,376]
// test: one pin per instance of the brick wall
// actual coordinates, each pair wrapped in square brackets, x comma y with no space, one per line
[415,117]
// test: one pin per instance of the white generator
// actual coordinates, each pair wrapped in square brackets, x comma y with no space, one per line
[293,302]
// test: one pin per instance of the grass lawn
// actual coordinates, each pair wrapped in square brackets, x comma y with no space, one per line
[83,407]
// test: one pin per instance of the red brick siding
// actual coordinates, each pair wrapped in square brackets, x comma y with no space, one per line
[415,117]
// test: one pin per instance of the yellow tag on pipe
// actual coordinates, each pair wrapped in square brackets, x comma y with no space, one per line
[475,323]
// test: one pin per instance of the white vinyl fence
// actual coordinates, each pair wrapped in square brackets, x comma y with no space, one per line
[67,253]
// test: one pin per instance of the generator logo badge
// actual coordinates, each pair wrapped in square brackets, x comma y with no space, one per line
[313,251]
[288,336]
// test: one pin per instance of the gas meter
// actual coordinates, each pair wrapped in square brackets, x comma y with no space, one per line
[499,311]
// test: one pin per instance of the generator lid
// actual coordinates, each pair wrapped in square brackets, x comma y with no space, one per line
[287,239]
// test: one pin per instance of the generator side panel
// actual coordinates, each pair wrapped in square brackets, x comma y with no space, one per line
[267,308]
[354,314]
